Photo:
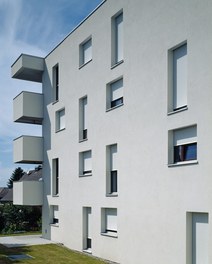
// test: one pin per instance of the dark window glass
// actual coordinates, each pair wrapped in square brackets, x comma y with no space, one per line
[185,152]
[89,243]
[56,177]
[117,102]
[113,181]
[84,133]
[55,221]
[87,172]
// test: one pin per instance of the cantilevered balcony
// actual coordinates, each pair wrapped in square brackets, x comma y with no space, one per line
[28,149]
[29,68]
[28,193]
[28,108]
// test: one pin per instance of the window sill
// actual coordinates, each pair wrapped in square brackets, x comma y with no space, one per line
[178,111]
[110,234]
[56,101]
[81,66]
[55,195]
[117,64]
[112,195]
[54,225]
[57,131]
[82,140]
[183,163]
[88,251]
[85,175]
[117,106]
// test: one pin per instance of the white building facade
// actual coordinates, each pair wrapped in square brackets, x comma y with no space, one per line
[126,144]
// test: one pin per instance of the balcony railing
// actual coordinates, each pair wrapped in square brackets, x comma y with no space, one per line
[29,68]
[28,108]
[28,149]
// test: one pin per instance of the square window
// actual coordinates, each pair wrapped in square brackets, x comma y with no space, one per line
[177,91]
[60,120]
[183,145]
[115,94]
[86,52]
[109,221]
[85,163]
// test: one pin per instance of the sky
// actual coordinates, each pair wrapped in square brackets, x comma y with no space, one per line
[33,27]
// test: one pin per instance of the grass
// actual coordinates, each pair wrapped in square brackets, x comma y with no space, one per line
[48,254]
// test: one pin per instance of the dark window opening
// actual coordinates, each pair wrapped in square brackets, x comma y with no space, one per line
[113,181]
[89,242]
[55,221]
[117,102]
[87,172]
[84,134]
[185,152]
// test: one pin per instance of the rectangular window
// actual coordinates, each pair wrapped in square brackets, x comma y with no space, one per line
[55,215]
[185,144]
[117,38]
[83,102]
[56,82]
[85,164]
[178,78]
[55,176]
[112,169]
[60,120]
[87,231]
[197,238]
[109,221]
[115,94]
[86,52]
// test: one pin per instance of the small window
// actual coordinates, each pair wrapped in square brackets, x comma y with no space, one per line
[83,132]
[86,52]
[178,78]
[115,94]
[56,82]
[60,120]
[184,146]
[55,215]
[85,164]
[55,176]
[109,221]
[117,39]
[112,169]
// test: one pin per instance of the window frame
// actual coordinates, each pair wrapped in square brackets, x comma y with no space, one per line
[83,131]
[82,49]
[110,88]
[58,127]
[55,177]
[105,230]
[82,171]
[55,77]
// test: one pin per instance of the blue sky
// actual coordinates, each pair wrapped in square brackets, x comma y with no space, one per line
[33,27]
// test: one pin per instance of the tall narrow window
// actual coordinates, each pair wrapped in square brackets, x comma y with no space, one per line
[115,94]
[60,120]
[87,231]
[83,118]
[55,176]
[197,238]
[86,52]
[109,221]
[178,78]
[56,82]
[117,38]
[112,169]
[85,164]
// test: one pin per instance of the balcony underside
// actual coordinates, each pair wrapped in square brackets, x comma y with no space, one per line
[29,68]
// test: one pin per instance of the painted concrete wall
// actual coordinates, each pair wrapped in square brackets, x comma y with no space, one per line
[153,198]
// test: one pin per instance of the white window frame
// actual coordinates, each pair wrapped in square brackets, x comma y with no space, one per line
[117,36]
[85,163]
[115,94]
[60,120]
[109,222]
[83,107]
[85,52]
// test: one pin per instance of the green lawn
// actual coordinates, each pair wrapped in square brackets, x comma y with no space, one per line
[48,254]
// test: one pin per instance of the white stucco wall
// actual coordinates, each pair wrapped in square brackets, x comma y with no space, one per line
[153,198]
